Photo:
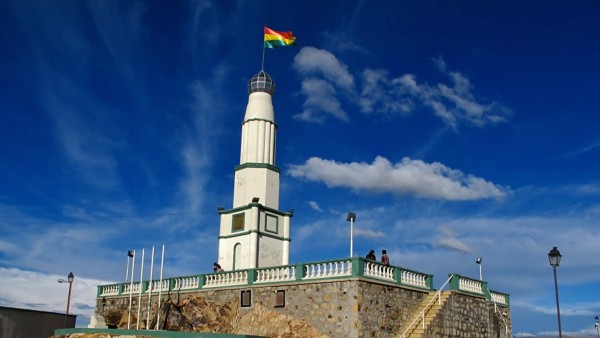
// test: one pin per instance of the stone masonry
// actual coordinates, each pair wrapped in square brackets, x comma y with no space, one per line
[345,308]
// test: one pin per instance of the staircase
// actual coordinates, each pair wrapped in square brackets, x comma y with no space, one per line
[430,306]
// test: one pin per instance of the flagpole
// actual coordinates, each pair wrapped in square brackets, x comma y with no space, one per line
[262,66]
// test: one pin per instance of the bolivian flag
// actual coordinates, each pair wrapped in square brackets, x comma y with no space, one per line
[274,39]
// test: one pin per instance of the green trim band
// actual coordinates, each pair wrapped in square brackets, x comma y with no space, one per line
[257,119]
[257,165]
[242,233]
[260,206]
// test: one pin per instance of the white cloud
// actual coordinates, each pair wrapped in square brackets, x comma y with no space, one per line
[39,291]
[311,61]
[409,177]
[455,103]
[315,206]
[368,233]
[320,95]
[447,239]
[324,74]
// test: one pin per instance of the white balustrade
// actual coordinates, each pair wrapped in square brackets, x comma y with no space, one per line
[470,285]
[413,278]
[186,283]
[110,290]
[379,271]
[226,279]
[132,288]
[328,269]
[158,285]
[499,298]
[276,274]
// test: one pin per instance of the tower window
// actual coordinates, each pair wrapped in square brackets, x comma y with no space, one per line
[238,222]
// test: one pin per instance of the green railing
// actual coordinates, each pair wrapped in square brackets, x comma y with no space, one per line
[355,267]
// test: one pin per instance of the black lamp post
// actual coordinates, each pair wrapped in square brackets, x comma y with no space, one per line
[554,258]
[596,326]
[69,280]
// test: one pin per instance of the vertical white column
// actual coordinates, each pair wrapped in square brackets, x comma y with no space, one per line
[254,219]
[243,145]
[286,242]
[272,145]
[267,145]
[261,142]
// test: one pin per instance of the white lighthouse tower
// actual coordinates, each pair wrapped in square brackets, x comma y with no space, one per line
[254,232]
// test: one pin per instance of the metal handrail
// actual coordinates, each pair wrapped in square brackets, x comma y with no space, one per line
[422,313]
[501,316]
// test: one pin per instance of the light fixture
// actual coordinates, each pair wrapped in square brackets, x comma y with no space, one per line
[69,280]
[351,218]
[255,199]
[554,257]
[478,261]
[596,326]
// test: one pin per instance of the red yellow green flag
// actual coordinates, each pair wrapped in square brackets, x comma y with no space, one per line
[274,39]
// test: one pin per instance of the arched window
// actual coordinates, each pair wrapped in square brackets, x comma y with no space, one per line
[237,254]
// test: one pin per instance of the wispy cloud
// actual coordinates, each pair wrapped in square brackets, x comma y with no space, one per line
[315,206]
[324,75]
[447,239]
[454,103]
[87,147]
[409,177]
[328,85]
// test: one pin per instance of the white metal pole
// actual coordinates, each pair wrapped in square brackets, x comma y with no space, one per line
[137,326]
[130,291]
[480,274]
[162,261]
[127,270]
[351,237]
[150,282]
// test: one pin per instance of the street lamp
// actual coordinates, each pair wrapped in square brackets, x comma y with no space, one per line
[129,255]
[351,218]
[554,257]
[478,261]
[596,326]
[69,280]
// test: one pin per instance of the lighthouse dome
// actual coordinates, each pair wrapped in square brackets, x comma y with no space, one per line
[261,82]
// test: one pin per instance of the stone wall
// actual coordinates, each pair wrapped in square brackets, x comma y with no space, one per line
[470,316]
[348,308]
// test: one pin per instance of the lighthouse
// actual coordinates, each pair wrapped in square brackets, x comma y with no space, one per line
[254,232]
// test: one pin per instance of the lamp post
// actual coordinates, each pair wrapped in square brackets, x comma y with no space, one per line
[478,261]
[69,280]
[351,218]
[554,257]
[596,326]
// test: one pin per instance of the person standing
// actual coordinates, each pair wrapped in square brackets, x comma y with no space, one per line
[371,255]
[384,258]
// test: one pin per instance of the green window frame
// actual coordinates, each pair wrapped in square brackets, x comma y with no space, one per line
[238,222]
[271,224]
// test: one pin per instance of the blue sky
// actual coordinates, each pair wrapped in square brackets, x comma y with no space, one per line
[453,129]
